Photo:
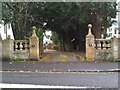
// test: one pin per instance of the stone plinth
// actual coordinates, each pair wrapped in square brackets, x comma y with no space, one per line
[103,55]
[7,49]
[119,48]
[34,46]
[90,46]
[116,48]
[0,48]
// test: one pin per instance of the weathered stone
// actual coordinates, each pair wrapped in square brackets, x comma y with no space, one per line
[103,54]
[90,46]
[21,55]
[34,46]
[119,48]
[8,49]
[0,48]
[21,49]
[116,48]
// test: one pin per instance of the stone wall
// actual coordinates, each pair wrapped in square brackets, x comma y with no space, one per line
[21,55]
[102,49]
[14,49]
[0,48]
[7,49]
[20,49]
[116,48]
[104,55]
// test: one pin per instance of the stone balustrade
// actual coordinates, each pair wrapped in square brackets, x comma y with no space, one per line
[21,45]
[103,49]
[21,49]
[102,43]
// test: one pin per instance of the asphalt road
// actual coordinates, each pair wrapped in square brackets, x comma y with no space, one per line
[103,80]
[59,66]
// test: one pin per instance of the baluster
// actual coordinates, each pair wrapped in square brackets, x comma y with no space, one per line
[21,45]
[26,45]
[16,46]
[104,44]
[98,44]
[109,44]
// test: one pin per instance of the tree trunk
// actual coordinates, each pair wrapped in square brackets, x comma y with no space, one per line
[97,25]
[62,42]
[68,45]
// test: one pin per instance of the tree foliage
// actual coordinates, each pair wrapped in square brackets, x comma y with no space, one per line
[55,38]
[69,19]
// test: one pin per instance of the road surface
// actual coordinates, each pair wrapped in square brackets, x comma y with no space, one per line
[103,80]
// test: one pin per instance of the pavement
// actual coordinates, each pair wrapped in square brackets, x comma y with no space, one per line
[28,86]
[60,66]
[60,69]
[95,80]
[60,62]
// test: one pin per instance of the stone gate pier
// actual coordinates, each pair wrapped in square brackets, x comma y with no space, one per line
[102,49]
[90,50]
[34,45]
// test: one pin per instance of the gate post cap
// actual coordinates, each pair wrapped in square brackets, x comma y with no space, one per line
[34,31]
[34,28]
[89,25]
[89,31]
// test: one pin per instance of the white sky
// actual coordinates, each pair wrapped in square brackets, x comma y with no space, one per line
[118,1]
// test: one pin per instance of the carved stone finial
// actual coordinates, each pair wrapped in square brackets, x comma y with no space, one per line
[33,28]
[89,26]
